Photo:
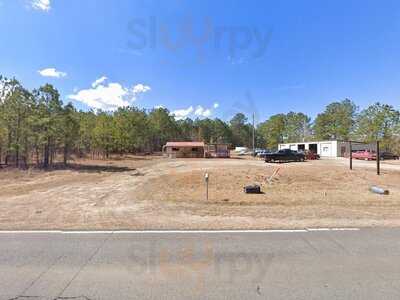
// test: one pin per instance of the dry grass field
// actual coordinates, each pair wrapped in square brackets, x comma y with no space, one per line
[157,193]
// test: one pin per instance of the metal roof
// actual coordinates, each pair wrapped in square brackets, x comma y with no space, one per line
[185,144]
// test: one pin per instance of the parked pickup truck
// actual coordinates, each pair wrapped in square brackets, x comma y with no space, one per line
[284,155]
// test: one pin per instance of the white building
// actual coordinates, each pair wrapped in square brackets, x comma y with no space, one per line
[327,148]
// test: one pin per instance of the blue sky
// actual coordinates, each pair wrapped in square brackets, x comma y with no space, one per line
[206,58]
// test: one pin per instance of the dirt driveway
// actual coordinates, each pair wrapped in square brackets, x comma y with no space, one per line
[158,193]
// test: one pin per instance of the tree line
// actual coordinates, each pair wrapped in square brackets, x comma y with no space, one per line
[37,128]
[340,120]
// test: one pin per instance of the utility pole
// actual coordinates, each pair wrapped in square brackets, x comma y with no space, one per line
[351,155]
[254,137]
[378,159]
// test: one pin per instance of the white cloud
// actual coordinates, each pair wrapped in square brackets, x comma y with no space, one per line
[181,114]
[5,89]
[200,111]
[140,88]
[99,81]
[106,96]
[43,5]
[52,72]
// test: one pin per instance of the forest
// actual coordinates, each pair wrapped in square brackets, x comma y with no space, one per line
[38,129]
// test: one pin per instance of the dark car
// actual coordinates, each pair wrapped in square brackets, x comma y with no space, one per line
[284,155]
[388,155]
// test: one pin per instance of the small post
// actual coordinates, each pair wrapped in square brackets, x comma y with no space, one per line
[378,159]
[351,155]
[206,180]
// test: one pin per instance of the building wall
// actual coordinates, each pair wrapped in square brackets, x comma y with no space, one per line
[324,148]
[330,148]
[217,150]
[184,152]
[327,149]
[187,151]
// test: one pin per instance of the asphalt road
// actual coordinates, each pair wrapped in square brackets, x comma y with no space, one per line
[362,264]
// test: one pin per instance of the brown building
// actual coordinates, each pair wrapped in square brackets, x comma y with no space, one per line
[184,149]
[195,150]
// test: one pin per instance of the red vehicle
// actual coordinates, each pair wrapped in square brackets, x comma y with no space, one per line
[310,155]
[365,155]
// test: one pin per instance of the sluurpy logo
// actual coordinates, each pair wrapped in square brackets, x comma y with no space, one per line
[200,261]
[204,37]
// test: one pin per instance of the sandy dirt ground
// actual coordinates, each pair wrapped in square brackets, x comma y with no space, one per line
[159,193]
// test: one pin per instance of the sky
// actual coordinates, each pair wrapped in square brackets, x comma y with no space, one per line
[205,58]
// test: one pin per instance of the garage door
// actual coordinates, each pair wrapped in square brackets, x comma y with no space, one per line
[326,149]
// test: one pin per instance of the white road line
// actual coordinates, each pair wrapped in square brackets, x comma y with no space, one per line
[88,232]
[318,229]
[332,229]
[345,229]
[175,231]
[29,231]
[184,231]
[213,231]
